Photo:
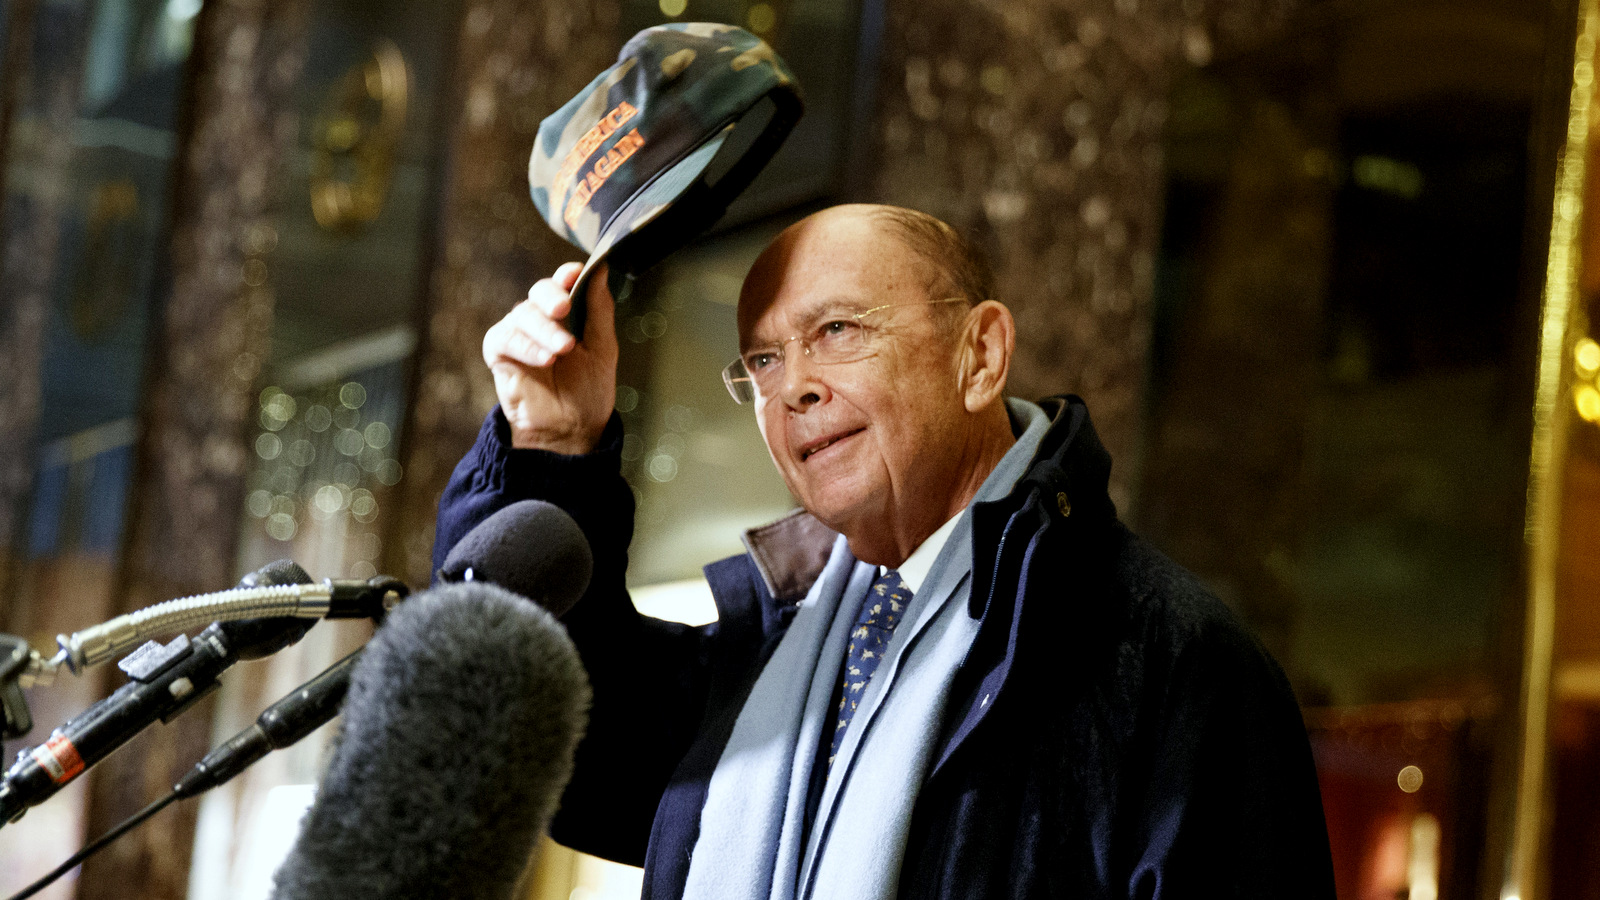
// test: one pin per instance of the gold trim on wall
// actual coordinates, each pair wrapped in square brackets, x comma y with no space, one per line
[1551,416]
[356,140]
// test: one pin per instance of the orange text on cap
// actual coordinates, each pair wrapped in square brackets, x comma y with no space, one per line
[587,144]
[604,168]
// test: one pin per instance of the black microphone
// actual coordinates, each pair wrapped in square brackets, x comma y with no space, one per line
[165,681]
[456,743]
[532,548]
[306,708]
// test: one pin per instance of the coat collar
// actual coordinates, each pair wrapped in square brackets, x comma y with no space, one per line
[1071,470]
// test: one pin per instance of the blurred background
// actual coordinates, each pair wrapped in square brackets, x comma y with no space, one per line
[1320,268]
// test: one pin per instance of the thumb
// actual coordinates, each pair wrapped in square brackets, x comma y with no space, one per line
[600,333]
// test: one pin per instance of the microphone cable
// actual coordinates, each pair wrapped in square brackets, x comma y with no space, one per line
[95,846]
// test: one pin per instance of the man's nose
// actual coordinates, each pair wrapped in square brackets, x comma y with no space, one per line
[802,379]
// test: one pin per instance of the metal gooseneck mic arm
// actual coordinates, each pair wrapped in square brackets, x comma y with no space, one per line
[327,599]
[21,667]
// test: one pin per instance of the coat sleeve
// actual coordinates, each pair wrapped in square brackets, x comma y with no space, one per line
[648,676]
[1232,807]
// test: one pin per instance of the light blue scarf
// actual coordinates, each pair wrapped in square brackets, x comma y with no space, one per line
[752,843]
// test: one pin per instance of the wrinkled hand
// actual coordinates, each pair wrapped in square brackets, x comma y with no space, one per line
[556,392]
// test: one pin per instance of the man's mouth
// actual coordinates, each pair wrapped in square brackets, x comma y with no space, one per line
[817,446]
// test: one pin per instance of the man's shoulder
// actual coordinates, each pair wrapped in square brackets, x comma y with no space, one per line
[1159,588]
[1174,616]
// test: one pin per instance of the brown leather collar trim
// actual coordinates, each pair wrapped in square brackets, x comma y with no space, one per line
[790,553]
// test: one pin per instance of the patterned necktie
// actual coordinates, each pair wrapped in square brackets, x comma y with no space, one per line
[885,603]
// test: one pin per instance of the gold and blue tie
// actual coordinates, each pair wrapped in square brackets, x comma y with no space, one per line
[881,611]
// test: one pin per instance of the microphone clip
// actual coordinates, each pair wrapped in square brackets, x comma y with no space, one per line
[14,653]
[20,667]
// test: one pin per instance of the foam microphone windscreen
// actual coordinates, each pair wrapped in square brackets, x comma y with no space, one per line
[456,744]
[283,571]
[260,638]
[531,547]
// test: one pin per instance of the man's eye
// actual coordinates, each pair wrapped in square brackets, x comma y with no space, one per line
[837,327]
[755,362]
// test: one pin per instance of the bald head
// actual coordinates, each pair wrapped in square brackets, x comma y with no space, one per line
[953,266]
[964,271]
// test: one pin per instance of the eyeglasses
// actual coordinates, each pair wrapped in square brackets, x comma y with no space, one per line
[838,339]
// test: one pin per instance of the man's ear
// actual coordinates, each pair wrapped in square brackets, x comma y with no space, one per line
[988,339]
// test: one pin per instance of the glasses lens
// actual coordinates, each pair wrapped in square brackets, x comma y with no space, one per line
[842,341]
[759,369]
[738,382]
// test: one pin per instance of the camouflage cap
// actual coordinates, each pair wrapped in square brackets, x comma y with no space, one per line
[651,153]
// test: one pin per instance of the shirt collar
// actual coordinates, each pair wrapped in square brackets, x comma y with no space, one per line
[916,566]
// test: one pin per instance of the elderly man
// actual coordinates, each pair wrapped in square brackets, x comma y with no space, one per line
[953,673]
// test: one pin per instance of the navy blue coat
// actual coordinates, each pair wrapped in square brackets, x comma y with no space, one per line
[1113,732]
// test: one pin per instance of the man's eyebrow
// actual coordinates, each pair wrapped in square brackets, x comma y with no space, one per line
[812,314]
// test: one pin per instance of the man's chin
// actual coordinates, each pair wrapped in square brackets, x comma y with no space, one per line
[847,518]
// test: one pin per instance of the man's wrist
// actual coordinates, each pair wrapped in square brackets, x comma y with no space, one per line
[565,442]
[501,438]
[567,438]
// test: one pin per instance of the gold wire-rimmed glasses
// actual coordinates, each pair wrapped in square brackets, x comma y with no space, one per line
[838,339]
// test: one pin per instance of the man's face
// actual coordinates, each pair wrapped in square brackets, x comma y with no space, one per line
[875,443]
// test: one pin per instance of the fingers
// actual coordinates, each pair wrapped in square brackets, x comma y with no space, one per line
[531,333]
[551,295]
[567,274]
[556,393]
[531,337]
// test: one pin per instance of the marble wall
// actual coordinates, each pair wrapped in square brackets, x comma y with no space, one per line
[1036,127]
[187,504]
[45,95]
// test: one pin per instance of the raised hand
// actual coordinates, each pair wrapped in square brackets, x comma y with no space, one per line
[557,392]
